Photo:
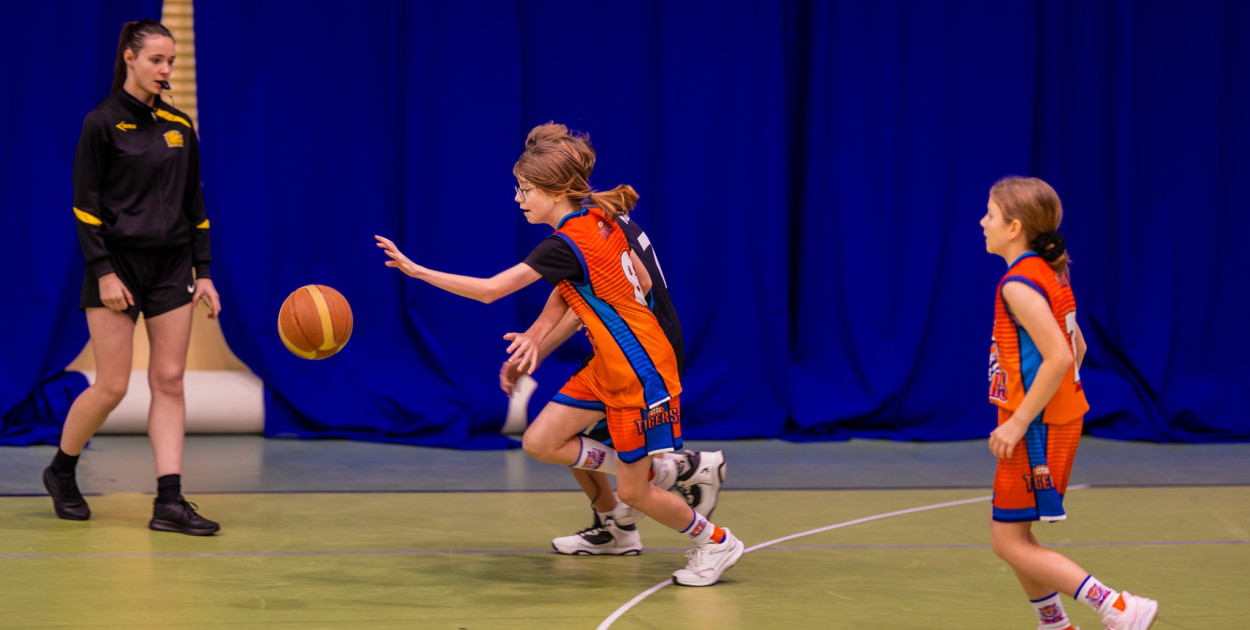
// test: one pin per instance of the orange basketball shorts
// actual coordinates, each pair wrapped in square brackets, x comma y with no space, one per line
[1029,485]
[635,431]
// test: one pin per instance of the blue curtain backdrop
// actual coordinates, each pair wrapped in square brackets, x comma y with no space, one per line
[62,68]
[811,172]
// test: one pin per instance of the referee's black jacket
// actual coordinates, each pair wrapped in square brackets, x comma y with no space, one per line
[137,182]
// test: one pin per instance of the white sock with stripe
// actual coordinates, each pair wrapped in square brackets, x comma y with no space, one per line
[1098,596]
[595,456]
[1050,613]
[702,531]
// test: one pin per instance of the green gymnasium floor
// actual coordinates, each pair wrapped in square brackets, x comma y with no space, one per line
[861,534]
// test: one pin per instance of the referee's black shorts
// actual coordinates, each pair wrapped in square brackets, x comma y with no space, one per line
[159,279]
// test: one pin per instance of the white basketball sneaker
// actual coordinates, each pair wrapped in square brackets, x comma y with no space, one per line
[706,562]
[605,538]
[1139,614]
[699,479]
[664,468]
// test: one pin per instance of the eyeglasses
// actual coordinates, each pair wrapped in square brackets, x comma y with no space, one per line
[521,191]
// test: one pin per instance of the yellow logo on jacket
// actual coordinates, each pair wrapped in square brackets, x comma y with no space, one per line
[173,138]
[125,126]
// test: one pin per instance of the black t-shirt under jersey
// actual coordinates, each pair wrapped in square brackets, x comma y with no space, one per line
[554,259]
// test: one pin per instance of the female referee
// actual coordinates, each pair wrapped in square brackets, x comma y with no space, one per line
[144,234]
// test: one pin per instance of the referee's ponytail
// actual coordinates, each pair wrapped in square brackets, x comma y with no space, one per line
[133,37]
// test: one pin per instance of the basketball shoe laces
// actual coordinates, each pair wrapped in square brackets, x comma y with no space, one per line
[186,506]
[593,529]
[696,556]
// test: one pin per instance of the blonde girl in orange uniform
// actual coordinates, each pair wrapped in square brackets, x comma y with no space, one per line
[1034,375]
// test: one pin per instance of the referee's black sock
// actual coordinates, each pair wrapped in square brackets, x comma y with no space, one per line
[64,463]
[168,488]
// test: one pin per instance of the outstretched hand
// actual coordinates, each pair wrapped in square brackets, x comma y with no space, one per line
[524,351]
[398,259]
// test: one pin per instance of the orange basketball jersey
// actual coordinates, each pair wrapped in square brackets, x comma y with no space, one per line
[633,363]
[1014,358]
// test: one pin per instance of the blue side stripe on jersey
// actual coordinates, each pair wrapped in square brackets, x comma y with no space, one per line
[653,387]
[581,260]
[1030,357]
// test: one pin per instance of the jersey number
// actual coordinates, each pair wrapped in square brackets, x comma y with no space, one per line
[1070,320]
[627,266]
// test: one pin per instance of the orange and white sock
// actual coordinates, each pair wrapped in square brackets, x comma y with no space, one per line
[1050,613]
[701,531]
[1099,596]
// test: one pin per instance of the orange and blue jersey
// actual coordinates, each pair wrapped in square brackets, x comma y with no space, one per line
[1014,357]
[1030,485]
[633,365]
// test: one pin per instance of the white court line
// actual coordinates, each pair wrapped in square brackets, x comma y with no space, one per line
[876,517]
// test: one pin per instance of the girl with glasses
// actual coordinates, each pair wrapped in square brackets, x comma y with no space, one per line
[633,376]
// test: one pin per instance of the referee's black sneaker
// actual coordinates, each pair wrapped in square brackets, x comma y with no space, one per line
[66,498]
[180,517]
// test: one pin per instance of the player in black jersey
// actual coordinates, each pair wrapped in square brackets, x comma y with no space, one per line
[144,233]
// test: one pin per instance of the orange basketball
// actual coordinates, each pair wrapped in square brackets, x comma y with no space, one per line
[315,321]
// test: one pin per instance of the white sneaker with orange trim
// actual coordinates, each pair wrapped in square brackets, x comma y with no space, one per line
[706,562]
[1139,613]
